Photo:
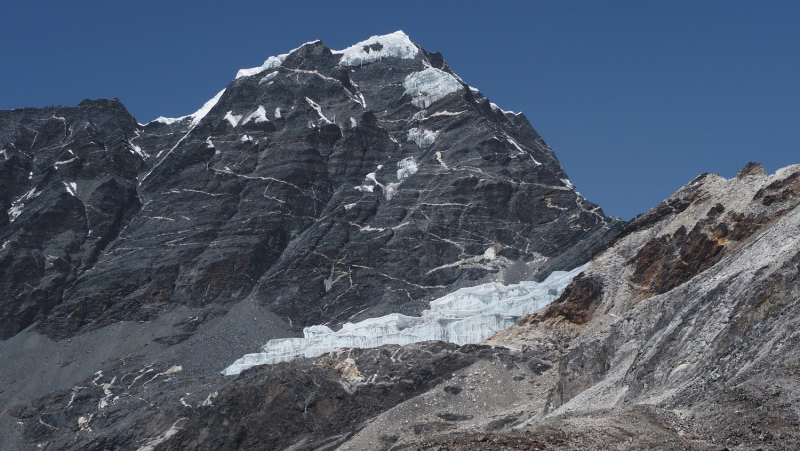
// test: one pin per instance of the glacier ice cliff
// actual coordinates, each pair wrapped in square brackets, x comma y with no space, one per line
[468,315]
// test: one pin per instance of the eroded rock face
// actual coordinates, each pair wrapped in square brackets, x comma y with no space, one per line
[68,186]
[319,188]
[706,364]
[391,170]
[696,318]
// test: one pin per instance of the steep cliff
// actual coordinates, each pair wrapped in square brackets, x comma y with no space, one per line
[320,188]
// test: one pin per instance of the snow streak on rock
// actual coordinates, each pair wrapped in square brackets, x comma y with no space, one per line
[233,118]
[468,315]
[202,112]
[259,115]
[271,63]
[197,116]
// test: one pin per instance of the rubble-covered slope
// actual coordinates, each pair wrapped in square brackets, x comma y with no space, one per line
[693,311]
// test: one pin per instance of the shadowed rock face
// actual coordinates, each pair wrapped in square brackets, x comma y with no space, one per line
[293,170]
[68,186]
[132,250]
[681,334]
[312,192]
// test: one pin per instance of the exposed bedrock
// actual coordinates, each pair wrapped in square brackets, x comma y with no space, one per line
[327,187]
[692,310]
[320,188]
[393,172]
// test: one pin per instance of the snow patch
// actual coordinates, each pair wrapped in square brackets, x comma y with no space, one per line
[423,138]
[497,108]
[515,144]
[169,120]
[15,211]
[365,188]
[259,115]
[447,113]
[136,150]
[390,190]
[349,206]
[271,63]
[268,77]
[29,195]
[468,315]
[319,110]
[353,123]
[233,118]
[245,138]
[406,168]
[428,86]
[72,188]
[59,163]
[438,156]
[277,113]
[197,116]
[396,45]
[371,176]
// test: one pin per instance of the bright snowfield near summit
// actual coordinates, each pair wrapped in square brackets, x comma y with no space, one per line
[377,257]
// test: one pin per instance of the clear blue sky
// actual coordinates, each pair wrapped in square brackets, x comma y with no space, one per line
[635,97]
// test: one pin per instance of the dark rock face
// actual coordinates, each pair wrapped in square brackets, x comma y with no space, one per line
[308,193]
[68,187]
[293,171]
[318,193]
[681,333]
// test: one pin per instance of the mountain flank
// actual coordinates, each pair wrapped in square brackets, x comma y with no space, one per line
[321,188]
[327,187]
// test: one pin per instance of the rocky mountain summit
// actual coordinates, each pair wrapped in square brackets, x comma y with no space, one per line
[320,188]
[327,187]
[375,168]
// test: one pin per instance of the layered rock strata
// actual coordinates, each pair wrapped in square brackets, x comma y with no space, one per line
[374,168]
